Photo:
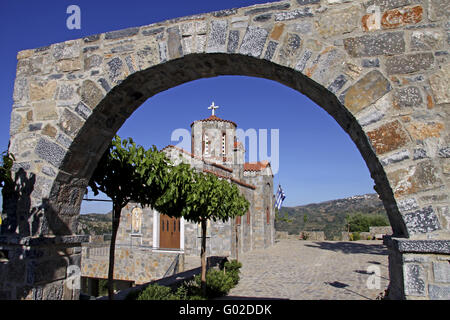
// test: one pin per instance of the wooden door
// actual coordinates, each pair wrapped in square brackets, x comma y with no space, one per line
[169,232]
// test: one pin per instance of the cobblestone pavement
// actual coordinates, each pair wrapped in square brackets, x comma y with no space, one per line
[313,270]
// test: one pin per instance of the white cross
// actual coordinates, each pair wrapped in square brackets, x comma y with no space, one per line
[213,108]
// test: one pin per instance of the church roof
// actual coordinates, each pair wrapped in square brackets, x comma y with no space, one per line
[214,118]
[256,166]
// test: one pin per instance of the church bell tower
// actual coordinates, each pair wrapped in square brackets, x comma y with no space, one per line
[213,138]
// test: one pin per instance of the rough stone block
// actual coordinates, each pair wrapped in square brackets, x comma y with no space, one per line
[20,89]
[270,51]
[373,45]
[426,41]
[422,131]
[45,110]
[129,32]
[217,36]
[406,205]
[409,63]
[414,279]
[91,94]
[403,16]
[69,123]
[439,85]
[388,137]
[42,90]
[254,41]
[66,50]
[439,292]
[92,61]
[114,69]
[421,221]
[295,14]
[50,152]
[410,180]
[396,157]
[233,41]
[338,21]
[407,97]
[438,9]
[366,91]
[441,271]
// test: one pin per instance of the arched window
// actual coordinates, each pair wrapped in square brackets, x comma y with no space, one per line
[268,215]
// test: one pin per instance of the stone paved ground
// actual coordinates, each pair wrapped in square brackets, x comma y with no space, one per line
[294,269]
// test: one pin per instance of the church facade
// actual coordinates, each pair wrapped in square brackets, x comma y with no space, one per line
[215,150]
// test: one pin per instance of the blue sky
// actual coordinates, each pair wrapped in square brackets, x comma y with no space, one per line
[318,161]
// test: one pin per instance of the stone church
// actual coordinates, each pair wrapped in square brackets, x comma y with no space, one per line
[216,150]
[147,241]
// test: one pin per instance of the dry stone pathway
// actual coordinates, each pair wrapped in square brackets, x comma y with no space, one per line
[303,270]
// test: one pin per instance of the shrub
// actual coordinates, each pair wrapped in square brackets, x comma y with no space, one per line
[157,292]
[218,283]
[189,291]
[232,269]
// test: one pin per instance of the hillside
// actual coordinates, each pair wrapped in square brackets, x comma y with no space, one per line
[329,216]
[95,223]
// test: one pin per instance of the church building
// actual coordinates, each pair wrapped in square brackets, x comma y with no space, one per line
[148,241]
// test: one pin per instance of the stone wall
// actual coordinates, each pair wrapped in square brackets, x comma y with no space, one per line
[136,264]
[312,235]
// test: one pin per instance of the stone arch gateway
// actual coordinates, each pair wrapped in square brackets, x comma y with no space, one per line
[379,67]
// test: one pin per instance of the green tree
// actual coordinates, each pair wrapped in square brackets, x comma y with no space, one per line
[359,222]
[205,197]
[125,173]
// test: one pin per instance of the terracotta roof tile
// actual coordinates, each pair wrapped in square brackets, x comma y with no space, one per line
[214,118]
[255,166]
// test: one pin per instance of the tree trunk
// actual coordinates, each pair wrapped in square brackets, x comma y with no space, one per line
[237,241]
[203,257]
[115,226]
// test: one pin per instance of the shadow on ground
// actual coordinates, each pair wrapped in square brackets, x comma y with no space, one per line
[350,247]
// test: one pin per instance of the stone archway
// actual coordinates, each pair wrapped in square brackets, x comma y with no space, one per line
[383,77]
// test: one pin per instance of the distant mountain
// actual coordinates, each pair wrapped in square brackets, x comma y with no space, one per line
[95,223]
[328,216]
